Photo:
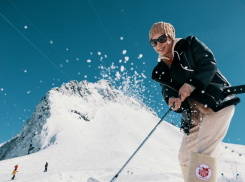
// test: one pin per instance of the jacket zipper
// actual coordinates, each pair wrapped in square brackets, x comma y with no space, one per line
[187,61]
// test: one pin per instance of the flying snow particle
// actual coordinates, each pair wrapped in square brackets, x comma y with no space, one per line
[143,62]
[126,58]
[143,75]
[28,92]
[67,49]
[120,61]
[121,38]
[122,68]
[79,73]
[41,81]
[132,63]
[61,65]
[25,27]
[105,56]
[77,59]
[25,71]
[124,52]
[52,83]
[131,68]
[140,56]
[67,61]
[91,53]
[2,89]
[85,76]
[118,75]
[99,53]
[112,66]
[51,42]
[88,61]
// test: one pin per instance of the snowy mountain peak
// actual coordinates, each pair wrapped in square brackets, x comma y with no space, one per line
[59,108]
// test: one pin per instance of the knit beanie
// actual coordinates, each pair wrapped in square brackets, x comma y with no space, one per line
[162,28]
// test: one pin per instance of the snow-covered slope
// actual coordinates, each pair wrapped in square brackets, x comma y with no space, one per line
[90,130]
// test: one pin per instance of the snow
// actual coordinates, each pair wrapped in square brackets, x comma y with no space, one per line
[122,68]
[2,144]
[126,58]
[140,56]
[124,52]
[88,130]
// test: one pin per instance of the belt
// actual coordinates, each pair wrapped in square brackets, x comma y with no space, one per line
[234,90]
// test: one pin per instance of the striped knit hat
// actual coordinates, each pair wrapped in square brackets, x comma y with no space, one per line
[162,28]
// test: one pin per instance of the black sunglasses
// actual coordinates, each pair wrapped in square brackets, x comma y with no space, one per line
[161,39]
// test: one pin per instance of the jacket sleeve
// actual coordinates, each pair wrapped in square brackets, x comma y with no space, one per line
[205,65]
[160,75]
[168,92]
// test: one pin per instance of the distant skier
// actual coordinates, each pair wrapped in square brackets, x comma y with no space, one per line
[14,173]
[16,167]
[188,75]
[46,167]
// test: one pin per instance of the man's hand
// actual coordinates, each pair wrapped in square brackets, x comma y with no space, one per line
[177,102]
[184,91]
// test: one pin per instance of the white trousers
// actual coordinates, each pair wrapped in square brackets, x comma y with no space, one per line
[206,137]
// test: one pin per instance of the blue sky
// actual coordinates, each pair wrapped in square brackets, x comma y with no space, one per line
[33,58]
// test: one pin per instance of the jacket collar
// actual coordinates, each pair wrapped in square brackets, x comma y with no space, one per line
[179,45]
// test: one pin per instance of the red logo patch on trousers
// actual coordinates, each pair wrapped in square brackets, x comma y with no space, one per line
[203,172]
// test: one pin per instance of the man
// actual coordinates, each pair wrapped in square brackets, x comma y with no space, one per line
[46,167]
[188,74]
[14,173]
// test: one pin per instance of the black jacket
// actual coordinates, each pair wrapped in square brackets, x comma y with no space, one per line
[194,63]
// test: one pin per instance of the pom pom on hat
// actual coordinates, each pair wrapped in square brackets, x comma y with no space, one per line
[162,28]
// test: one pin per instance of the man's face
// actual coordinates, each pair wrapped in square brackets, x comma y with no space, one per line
[165,48]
